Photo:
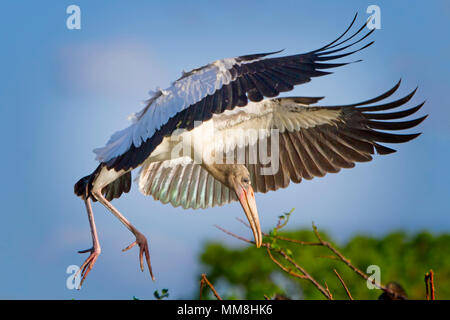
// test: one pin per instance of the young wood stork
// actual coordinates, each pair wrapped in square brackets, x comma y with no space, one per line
[227,97]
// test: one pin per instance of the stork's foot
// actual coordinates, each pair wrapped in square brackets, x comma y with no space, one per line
[141,240]
[88,264]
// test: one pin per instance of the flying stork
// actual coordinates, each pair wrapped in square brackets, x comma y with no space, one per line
[228,97]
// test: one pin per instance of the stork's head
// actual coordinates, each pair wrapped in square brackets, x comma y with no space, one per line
[237,178]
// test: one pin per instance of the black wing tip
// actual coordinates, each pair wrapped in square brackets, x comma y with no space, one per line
[325,57]
[393,89]
[383,150]
[335,43]
[353,20]
[362,106]
[395,125]
[380,136]
[410,95]
[422,119]
[371,127]
[395,115]
[413,136]
[366,46]
[419,120]
[338,38]
[392,138]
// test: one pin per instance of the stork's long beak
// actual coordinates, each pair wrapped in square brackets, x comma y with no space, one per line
[248,203]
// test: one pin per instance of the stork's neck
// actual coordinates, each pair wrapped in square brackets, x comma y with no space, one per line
[220,171]
[212,162]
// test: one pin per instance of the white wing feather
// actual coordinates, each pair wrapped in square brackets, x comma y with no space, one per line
[165,104]
[181,182]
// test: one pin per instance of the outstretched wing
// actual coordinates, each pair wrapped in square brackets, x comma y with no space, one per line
[312,140]
[215,88]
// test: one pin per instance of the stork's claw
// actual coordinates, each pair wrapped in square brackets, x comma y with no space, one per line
[141,240]
[88,264]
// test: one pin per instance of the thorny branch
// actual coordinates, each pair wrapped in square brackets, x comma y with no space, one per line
[303,274]
[204,281]
[429,285]
[288,270]
[343,284]
[341,257]
[328,291]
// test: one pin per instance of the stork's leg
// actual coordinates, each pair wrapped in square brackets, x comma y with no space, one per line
[95,251]
[141,240]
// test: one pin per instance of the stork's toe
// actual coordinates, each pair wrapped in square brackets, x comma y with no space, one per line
[141,240]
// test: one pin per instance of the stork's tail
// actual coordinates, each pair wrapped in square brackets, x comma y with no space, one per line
[80,187]
[113,190]
[83,187]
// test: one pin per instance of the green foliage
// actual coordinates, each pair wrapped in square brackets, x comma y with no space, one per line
[248,273]
[164,294]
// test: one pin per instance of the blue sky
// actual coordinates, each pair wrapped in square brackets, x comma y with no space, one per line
[63,92]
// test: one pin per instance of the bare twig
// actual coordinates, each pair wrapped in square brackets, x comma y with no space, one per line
[202,284]
[344,285]
[305,243]
[305,275]
[328,291]
[234,235]
[338,254]
[429,285]
[351,266]
[292,273]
